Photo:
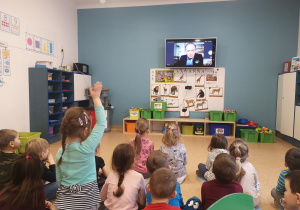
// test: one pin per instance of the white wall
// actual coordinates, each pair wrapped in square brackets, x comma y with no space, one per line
[55,20]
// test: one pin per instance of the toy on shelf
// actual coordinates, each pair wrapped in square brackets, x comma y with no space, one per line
[229,115]
[199,129]
[164,127]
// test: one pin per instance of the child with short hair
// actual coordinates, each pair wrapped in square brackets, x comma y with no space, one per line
[291,198]
[9,142]
[101,170]
[142,147]
[292,162]
[124,188]
[162,187]
[75,171]
[25,190]
[175,151]
[246,175]
[158,160]
[225,169]
[41,148]
[218,145]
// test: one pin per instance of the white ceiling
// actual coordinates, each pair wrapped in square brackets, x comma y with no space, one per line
[88,4]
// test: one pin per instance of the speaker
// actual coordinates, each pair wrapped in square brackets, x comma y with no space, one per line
[81,68]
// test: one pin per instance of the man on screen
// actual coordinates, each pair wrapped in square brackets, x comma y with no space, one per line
[191,59]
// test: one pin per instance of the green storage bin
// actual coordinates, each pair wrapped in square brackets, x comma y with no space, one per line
[146,113]
[159,105]
[230,117]
[215,115]
[267,137]
[25,137]
[249,135]
[158,114]
[187,129]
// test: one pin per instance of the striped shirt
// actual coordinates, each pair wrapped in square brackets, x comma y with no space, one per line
[280,188]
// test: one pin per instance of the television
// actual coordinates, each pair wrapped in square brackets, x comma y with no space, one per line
[191,53]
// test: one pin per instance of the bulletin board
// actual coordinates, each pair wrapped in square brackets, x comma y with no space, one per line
[197,90]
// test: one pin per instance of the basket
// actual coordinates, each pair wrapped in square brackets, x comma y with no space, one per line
[267,137]
[229,117]
[130,127]
[187,129]
[249,135]
[215,115]
[134,113]
[25,137]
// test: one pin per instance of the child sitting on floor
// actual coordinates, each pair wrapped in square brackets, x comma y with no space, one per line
[9,142]
[157,160]
[225,169]
[246,174]
[41,148]
[292,162]
[175,151]
[124,188]
[101,170]
[218,144]
[162,187]
[142,147]
[291,198]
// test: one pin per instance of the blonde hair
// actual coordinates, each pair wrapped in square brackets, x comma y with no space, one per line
[172,135]
[37,146]
[141,126]
[239,150]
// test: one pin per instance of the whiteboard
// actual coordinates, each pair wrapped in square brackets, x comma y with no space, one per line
[197,90]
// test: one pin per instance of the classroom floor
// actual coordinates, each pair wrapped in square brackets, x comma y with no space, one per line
[268,160]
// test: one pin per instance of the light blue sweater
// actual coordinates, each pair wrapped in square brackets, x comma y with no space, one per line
[78,160]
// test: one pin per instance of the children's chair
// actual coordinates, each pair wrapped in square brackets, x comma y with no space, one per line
[238,201]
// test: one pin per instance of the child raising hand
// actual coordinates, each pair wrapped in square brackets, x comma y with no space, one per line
[75,171]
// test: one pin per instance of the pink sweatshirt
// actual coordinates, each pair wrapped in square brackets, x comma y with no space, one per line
[134,191]
[140,160]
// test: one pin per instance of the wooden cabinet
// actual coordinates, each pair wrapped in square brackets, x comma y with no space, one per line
[286,103]
[51,93]
[156,125]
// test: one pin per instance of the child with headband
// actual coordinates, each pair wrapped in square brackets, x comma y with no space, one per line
[75,172]
[142,146]
[175,151]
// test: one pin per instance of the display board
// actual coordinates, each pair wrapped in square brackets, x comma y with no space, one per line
[189,89]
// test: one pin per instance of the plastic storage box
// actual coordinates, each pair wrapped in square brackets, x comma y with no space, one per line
[231,117]
[51,109]
[51,131]
[219,129]
[146,113]
[159,105]
[199,129]
[187,129]
[51,100]
[25,137]
[158,114]
[249,135]
[50,76]
[215,115]
[134,113]
[50,88]
[267,137]
[130,127]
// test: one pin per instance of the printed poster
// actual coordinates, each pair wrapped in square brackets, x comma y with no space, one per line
[1,81]
[37,44]
[5,22]
[29,41]
[164,76]
[15,25]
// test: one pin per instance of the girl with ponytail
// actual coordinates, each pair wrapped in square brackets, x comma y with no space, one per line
[124,188]
[75,172]
[246,174]
[142,146]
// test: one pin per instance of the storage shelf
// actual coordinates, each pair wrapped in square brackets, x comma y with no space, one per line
[56,113]
[54,81]
[54,92]
[155,125]
[54,135]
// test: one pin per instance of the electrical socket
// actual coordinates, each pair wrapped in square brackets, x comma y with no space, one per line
[62,50]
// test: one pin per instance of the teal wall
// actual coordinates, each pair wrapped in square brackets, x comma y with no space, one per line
[254,37]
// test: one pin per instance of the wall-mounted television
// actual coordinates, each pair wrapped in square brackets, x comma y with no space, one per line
[191,53]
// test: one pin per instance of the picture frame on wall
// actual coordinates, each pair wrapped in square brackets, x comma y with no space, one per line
[286,66]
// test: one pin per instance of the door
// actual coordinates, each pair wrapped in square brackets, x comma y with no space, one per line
[297,123]
[288,104]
